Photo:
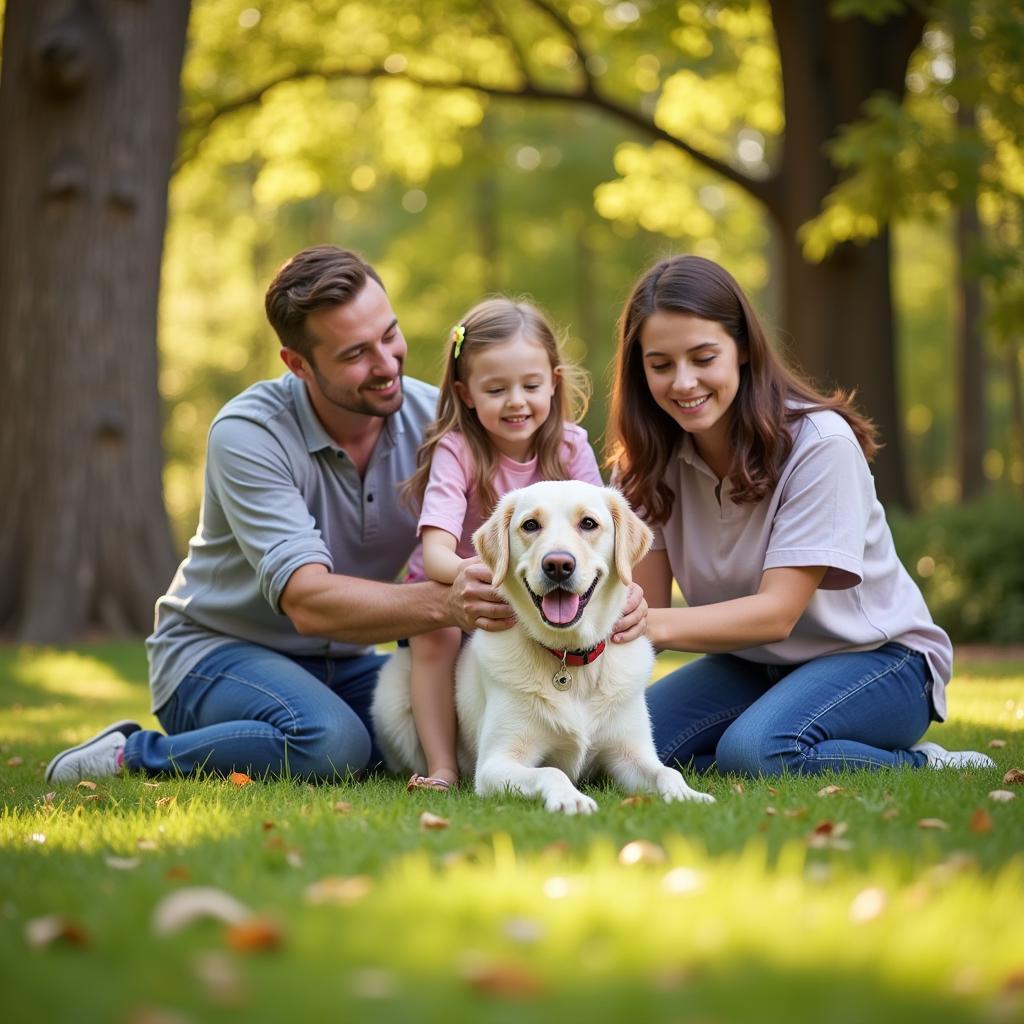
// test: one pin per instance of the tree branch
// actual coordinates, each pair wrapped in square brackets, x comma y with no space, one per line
[760,189]
[582,55]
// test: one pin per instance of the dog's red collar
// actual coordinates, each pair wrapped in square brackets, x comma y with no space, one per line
[577,657]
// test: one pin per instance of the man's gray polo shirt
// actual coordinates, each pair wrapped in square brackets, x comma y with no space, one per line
[280,494]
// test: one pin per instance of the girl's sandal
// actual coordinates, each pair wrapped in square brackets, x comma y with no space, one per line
[427,782]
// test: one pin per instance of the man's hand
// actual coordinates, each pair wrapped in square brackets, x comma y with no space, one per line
[633,622]
[475,604]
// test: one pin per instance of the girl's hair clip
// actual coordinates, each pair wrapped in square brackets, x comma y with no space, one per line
[458,337]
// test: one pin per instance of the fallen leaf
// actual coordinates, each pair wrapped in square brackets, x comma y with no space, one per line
[340,890]
[772,791]
[795,812]
[737,788]
[1002,796]
[637,800]
[15,762]
[48,798]
[770,811]
[239,779]
[432,821]
[373,983]
[151,785]
[122,863]
[524,930]
[868,905]
[86,784]
[996,744]
[1014,777]
[166,801]
[41,932]
[556,850]
[253,935]
[642,851]
[933,823]
[268,825]
[218,975]
[981,822]
[830,828]
[828,835]
[829,790]
[683,881]
[145,844]
[181,908]
[504,981]
[156,1015]
[342,807]
[177,873]
[889,813]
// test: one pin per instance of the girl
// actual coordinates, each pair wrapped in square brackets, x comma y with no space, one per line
[764,511]
[506,418]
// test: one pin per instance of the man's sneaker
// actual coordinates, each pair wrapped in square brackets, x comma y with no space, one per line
[98,756]
[940,757]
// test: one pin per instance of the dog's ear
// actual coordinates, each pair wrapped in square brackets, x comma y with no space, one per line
[491,539]
[632,536]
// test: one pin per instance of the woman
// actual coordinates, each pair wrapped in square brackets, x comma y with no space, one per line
[821,653]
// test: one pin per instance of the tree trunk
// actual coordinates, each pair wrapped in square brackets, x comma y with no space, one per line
[1016,461]
[88,105]
[838,313]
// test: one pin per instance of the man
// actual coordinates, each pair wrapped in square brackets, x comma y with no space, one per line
[261,659]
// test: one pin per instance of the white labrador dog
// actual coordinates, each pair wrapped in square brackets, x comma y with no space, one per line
[551,700]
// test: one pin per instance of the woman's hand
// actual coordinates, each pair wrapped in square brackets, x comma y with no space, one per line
[633,622]
[475,604]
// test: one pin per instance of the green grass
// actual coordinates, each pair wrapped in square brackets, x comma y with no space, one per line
[509,913]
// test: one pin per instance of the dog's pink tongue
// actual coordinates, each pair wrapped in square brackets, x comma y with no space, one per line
[560,606]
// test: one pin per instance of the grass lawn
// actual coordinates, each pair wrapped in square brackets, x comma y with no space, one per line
[780,902]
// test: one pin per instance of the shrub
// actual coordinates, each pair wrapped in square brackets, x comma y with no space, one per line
[969,562]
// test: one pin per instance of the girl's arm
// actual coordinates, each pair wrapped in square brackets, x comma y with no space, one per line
[766,617]
[440,562]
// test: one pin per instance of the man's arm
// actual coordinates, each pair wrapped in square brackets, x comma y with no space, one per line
[353,610]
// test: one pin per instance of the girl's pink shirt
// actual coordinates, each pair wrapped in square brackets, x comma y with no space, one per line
[450,504]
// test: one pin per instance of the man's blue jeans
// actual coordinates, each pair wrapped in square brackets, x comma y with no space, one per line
[858,710]
[250,709]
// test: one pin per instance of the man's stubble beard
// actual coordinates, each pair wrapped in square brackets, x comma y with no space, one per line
[356,404]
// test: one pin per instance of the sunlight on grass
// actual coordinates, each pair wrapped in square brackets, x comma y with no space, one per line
[70,674]
[975,700]
[942,927]
[119,824]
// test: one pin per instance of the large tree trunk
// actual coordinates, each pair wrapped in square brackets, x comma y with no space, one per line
[839,313]
[88,105]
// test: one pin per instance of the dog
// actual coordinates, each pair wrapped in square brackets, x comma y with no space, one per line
[551,700]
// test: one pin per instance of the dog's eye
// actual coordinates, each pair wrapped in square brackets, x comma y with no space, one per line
[586,523]
[530,526]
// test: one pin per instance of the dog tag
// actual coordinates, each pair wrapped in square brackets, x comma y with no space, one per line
[561,680]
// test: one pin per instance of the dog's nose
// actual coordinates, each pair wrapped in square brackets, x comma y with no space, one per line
[558,566]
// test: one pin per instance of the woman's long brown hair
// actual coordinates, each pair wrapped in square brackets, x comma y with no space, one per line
[492,322]
[642,436]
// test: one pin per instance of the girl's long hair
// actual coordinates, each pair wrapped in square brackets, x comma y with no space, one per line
[642,436]
[492,322]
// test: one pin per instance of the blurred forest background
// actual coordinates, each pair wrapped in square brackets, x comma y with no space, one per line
[857,164]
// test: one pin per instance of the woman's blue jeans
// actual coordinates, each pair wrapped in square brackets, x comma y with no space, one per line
[857,710]
[250,709]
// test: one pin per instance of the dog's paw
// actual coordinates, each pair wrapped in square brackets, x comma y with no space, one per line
[570,801]
[672,786]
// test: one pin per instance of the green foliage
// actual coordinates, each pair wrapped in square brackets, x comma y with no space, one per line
[955,140]
[777,896]
[969,562]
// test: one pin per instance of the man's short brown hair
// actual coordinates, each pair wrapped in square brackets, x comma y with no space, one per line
[316,278]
